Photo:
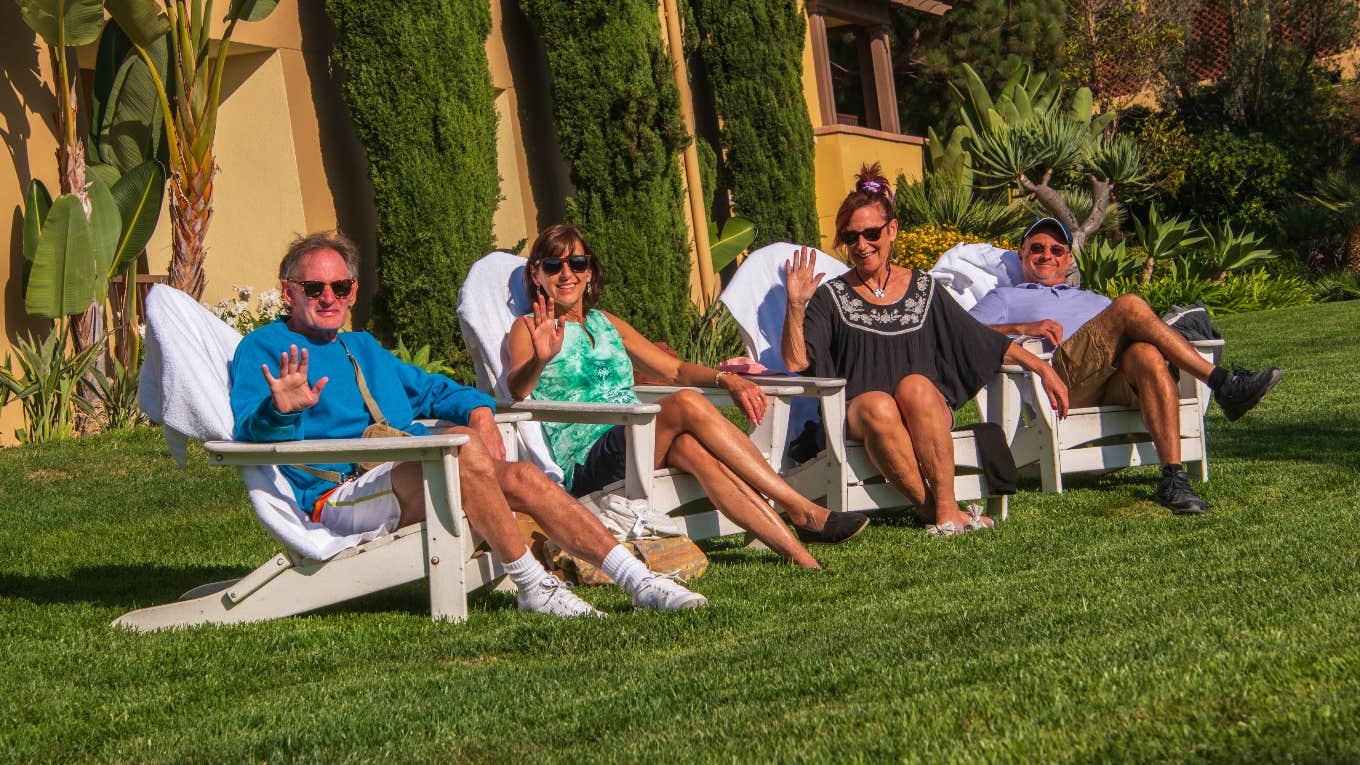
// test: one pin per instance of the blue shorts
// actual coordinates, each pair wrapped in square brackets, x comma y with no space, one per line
[606,462]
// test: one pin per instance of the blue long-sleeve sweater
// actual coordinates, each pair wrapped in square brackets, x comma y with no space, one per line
[403,392]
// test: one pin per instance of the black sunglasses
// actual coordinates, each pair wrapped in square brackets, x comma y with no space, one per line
[313,290]
[1057,250]
[553,266]
[870,235]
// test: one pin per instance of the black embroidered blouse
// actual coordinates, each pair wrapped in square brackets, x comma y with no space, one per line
[873,347]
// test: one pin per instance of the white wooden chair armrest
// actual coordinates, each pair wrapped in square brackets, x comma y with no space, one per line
[580,411]
[719,396]
[423,448]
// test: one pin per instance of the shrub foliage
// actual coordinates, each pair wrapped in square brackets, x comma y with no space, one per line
[754,53]
[418,87]
[618,120]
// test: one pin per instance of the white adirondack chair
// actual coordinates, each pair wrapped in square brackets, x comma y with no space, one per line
[757,299]
[1091,439]
[184,386]
[491,298]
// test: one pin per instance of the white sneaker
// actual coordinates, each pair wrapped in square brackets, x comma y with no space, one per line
[666,592]
[553,596]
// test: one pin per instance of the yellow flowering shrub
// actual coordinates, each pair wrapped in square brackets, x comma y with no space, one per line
[921,246]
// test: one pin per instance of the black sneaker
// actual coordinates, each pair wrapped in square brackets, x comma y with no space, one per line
[1174,493]
[840,527]
[1244,389]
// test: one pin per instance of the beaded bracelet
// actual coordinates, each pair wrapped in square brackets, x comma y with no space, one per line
[717,378]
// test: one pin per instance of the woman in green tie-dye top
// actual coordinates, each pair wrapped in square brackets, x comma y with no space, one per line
[568,350]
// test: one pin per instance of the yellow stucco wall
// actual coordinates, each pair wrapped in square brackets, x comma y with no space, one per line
[275,180]
[840,152]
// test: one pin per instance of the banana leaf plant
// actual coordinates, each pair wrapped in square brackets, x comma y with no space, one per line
[111,186]
[737,234]
[188,92]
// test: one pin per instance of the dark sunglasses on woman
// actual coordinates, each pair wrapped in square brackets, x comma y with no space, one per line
[870,235]
[553,266]
[313,290]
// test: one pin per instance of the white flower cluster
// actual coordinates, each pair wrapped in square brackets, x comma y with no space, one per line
[236,311]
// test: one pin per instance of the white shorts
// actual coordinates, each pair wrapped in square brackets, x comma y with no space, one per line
[366,503]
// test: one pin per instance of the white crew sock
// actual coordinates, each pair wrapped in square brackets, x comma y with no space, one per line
[623,568]
[525,572]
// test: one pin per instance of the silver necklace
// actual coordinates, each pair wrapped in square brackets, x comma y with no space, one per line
[878,293]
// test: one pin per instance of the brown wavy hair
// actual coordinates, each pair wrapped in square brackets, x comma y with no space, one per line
[556,242]
[871,188]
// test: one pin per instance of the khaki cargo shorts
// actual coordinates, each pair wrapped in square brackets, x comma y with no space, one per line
[1083,362]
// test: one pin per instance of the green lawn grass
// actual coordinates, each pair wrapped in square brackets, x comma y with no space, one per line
[1092,626]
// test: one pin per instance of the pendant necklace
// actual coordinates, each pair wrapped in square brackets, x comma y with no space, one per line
[878,293]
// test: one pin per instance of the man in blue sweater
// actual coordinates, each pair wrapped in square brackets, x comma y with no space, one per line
[1115,352]
[302,377]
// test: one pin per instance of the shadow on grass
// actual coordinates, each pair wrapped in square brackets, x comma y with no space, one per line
[1336,441]
[125,585]
[136,586]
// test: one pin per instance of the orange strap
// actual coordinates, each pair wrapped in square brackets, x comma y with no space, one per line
[321,503]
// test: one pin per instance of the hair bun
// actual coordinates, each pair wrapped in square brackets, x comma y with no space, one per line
[870,180]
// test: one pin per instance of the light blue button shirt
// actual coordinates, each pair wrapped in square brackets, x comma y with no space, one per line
[1029,301]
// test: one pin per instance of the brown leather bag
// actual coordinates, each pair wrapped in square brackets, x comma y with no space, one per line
[666,555]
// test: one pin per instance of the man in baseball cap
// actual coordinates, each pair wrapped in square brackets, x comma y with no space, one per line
[1115,352]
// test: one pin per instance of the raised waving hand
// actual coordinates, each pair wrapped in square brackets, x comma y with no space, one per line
[800,277]
[545,330]
[291,391]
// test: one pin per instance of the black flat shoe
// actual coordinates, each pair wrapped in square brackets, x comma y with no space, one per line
[839,527]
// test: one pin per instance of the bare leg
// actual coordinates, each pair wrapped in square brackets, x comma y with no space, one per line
[565,520]
[689,412]
[735,499]
[875,419]
[1129,319]
[483,502]
[1158,401]
[929,420]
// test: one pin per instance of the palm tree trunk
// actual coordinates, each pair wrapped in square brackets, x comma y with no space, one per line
[190,214]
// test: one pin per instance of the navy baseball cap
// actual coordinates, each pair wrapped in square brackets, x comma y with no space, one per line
[1052,226]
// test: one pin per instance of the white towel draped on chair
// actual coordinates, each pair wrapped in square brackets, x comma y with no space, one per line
[976,269]
[487,314]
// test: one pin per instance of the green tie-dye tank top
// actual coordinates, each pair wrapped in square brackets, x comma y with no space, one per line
[601,373]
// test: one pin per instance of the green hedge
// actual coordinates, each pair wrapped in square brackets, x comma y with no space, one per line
[418,87]
[618,122]
[754,53]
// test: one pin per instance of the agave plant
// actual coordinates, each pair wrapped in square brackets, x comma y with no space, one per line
[1229,250]
[47,385]
[1026,140]
[941,199]
[1104,266]
[1163,239]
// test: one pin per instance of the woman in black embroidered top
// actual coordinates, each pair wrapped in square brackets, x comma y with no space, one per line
[910,354]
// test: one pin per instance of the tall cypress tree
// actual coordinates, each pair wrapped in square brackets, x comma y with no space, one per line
[618,121]
[418,88]
[754,53]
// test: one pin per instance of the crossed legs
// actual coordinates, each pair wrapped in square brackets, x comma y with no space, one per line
[1140,345]
[908,439]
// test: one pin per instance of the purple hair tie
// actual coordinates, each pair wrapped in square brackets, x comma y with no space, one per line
[874,187]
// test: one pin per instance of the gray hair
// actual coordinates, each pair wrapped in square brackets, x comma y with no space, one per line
[322,240]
